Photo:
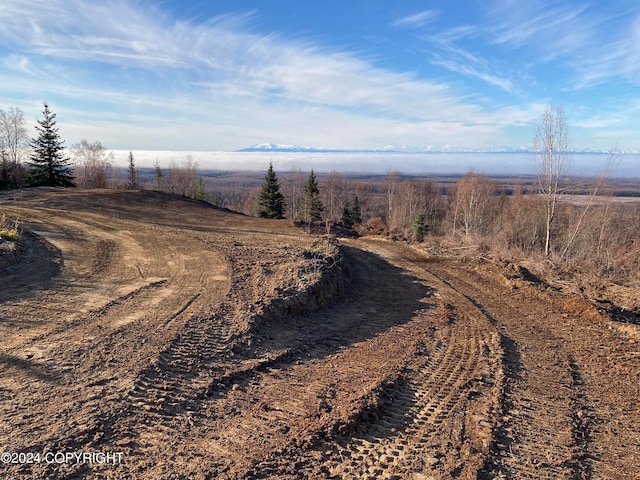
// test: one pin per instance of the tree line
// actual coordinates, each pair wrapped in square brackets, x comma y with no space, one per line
[593,230]
[309,205]
[474,210]
[43,159]
[537,222]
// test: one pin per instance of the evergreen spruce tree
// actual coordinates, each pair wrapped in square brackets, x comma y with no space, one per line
[347,216]
[352,215]
[49,165]
[356,212]
[201,192]
[419,227]
[271,201]
[132,178]
[5,171]
[310,204]
[157,174]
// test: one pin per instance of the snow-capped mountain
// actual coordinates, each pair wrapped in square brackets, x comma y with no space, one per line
[276,147]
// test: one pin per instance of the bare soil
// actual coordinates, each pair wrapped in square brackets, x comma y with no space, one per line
[204,344]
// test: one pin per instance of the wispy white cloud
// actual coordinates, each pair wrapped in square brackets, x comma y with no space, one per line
[619,57]
[618,117]
[220,51]
[21,64]
[117,32]
[446,51]
[463,62]
[579,35]
[556,27]
[140,77]
[599,121]
[417,19]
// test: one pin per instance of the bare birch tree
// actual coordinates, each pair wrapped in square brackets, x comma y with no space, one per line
[13,143]
[475,203]
[294,186]
[183,179]
[612,161]
[92,164]
[552,160]
[333,195]
[13,134]
[391,180]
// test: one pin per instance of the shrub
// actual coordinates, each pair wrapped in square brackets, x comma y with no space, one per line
[9,230]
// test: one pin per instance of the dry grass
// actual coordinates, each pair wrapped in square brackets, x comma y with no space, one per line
[9,230]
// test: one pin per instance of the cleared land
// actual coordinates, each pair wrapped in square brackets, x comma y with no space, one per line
[205,344]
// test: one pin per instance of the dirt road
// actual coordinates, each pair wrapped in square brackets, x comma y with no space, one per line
[197,343]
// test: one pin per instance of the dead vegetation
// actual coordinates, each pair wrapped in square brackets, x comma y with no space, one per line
[9,230]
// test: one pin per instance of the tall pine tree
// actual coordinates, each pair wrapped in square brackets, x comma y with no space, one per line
[270,199]
[132,177]
[310,204]
[5,171]
[49,166]
[201,191]
[157,174]
[356,211]
[419,226]
[352,216]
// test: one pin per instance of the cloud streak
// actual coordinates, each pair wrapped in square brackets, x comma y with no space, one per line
[224,61]
[417,19]
[460,61]
[555,27]
[219,52]
[579,35]
[121,67]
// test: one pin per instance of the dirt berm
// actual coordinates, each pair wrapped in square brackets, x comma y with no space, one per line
[197,343]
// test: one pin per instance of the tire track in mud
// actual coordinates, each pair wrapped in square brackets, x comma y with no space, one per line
[96,297]
[202,360]
[179,377]
[435,418]
[138,313]
[543,433]
[316,360]
[101,321]
[435,394]
[404,435]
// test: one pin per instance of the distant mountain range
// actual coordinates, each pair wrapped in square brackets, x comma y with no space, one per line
[276,147]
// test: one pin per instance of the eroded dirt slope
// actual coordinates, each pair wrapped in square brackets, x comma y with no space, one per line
[204,344]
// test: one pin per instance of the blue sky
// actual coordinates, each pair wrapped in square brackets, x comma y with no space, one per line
[222,75]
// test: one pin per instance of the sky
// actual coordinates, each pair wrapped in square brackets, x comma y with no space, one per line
[359,74]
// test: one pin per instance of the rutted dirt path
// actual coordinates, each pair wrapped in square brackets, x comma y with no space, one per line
[571,397]
[203,344]
[390,386]
[434,419]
